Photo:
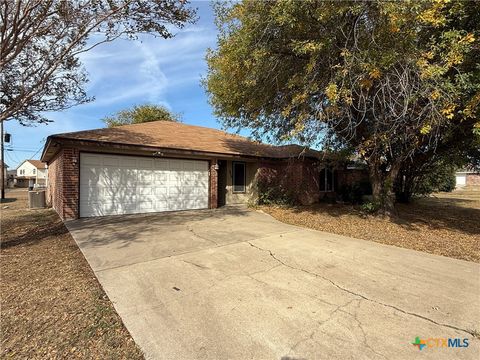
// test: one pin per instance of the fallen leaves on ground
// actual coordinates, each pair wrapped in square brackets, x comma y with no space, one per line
[444,224]
[52,304]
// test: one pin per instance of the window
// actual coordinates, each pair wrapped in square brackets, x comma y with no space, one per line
[239,180]
[34,170]
[326,180]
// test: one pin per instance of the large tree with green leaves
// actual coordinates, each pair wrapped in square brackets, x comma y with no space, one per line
[41,40]
[141,114]
[390,80]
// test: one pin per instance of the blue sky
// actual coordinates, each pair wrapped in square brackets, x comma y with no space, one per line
[125,73]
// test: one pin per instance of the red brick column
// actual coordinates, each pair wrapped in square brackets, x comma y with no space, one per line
[71,182]
[213,193]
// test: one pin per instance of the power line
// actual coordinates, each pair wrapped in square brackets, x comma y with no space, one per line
[40,148]
[18,149]
[10,158]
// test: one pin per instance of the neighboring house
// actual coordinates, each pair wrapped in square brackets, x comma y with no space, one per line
[466,177]
[164,166]
[11,174]
[31,173]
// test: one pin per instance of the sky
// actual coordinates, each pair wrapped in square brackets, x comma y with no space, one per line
[127,73]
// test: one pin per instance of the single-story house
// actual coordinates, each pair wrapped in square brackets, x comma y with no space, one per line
[466,177]
[31,173]
[166,166]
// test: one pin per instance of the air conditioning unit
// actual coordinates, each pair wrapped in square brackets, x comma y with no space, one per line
[36,199]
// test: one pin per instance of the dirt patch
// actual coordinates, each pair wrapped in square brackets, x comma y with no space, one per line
[443,224]
[52,305]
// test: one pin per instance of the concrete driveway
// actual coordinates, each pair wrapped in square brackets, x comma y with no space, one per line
[237,284]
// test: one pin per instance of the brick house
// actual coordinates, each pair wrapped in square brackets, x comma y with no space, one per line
[467,177]
[166,166]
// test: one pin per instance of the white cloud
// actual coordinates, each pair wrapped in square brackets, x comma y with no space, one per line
[142,71]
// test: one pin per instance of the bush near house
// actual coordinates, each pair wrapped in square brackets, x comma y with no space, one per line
[354,193]
[271,191]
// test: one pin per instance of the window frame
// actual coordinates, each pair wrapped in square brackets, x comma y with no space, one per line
[244,177]
[327,169]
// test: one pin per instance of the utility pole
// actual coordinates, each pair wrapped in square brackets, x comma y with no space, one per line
[2,177]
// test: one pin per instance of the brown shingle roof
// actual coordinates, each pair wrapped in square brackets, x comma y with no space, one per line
[38,164]
[173,135]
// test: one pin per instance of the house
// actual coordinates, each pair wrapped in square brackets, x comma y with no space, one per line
[466,177]
[11,174]
[31,173]
[165,166]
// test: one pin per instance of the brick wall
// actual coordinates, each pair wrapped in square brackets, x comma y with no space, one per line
[346,176]
[298,177]
[54,184]
[213,191]
[63,181]
[472,179]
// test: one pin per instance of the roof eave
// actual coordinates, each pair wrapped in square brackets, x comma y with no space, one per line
[55,139]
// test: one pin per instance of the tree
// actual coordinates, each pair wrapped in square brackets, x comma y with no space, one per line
[42,39]
[425,174]
[391,80]
[141,114]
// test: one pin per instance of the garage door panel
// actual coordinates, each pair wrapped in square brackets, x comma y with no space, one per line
[160,191]
[175,176]
[94,209]
[175,165]
[145,176]
[175,191]
[161,205]
[176,206]
[161,164]
[113,161]
[91,159]
[143,163]
[145,190]
[95,194]
[146,205]
[161,177]
[115,184]
[128,162]
[195,204]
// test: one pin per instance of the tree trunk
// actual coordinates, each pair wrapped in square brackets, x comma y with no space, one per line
[382,189]
[403,186]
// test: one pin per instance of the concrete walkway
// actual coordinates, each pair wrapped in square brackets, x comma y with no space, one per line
[237,284]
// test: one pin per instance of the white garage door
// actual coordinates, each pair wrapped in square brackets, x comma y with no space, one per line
[461,180]
[115,184]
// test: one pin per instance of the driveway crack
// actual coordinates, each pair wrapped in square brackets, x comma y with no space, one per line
[319,325]
[363,297]
[189,228]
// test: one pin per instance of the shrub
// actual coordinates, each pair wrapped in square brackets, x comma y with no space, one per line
[270,190]
[353,193]
[370,207]
[442,178]
[274,195]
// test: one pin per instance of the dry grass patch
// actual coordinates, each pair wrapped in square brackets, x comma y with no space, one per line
[52,306]
[444,224]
